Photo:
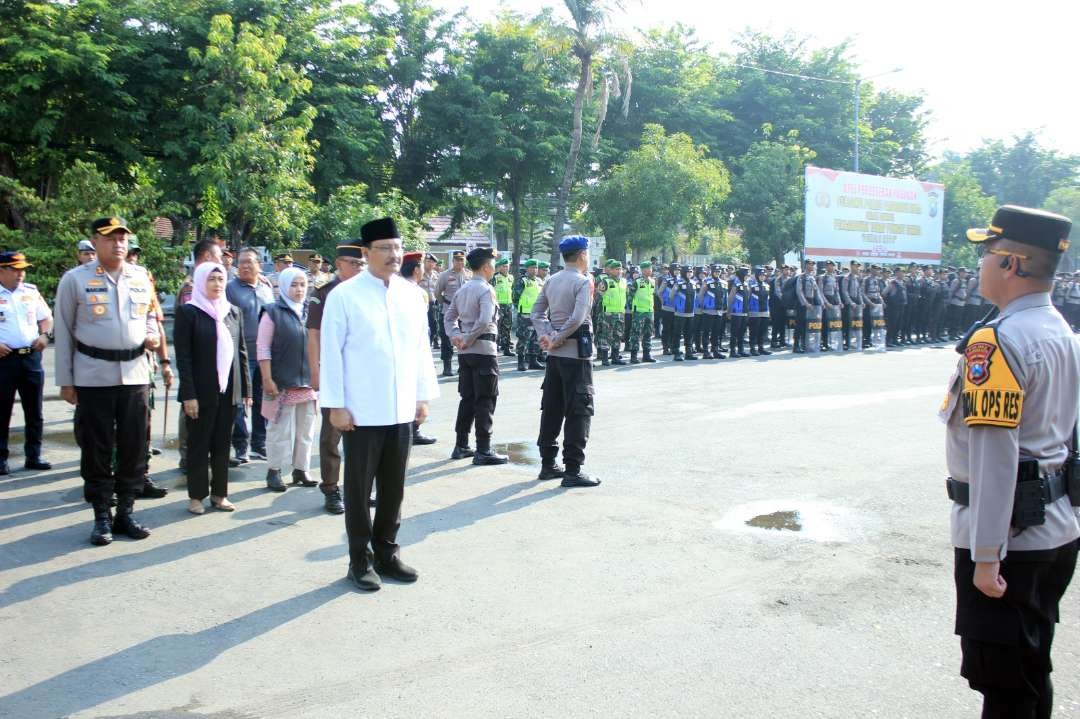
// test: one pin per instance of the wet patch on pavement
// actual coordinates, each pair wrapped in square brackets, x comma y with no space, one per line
[777,520]
[521,454]
[797,519]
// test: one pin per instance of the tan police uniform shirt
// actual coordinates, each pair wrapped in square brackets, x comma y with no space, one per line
[472,313]
[450,282]
[1013,395]
[114,314]
[567,297]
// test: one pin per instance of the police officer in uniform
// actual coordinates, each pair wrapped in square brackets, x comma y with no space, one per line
[642,302]
[86,252]
[450,282]
[1011,413]
[872,287]
[807,294]
[830,294]
[738,312]
[527,289]
[711,296]
[852,299]
[504,295]
[684,300]
[561,318]
[25,321]
[759,311]
[612,290]
[954,310]
[104,328]
[471,322]
[666,290]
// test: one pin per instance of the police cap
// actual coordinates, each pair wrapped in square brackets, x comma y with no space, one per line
[1027,226]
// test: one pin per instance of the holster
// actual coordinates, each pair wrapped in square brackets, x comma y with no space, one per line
[1029,506]
[584,338]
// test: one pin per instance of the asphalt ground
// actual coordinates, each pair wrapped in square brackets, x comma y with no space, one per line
[649,596]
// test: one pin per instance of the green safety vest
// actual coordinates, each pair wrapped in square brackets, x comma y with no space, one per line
[529,293]
[503,287]
[643,295]
[615,295]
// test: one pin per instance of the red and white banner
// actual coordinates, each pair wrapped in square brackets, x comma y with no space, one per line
[852,216]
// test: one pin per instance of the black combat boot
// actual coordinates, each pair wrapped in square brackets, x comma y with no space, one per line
[551,470]
[647,357]
[300,478]
[151,490]
[690,351]
[125,523]
[534,363]
[333,502]
[521,363]
[762,351]
[507,352]
[604,358]
[633,357]
[574,477]
[616,358]
[462,450]
[102,532]
[484,456]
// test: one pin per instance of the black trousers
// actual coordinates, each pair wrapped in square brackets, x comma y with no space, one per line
[478,385]
[379,455]
[845,319]
[567,405]
[682,329]
[710,325]
[329,455]
[22,374]
[108,419]
[1006,642]
[432,325]
[667,329]
[737,341]
[778,322]
[800,327]
[758,327]
[954,320]
[894,322]
[446,350]
[208,447]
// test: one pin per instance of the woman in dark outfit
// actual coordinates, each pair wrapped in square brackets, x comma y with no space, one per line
[211,358]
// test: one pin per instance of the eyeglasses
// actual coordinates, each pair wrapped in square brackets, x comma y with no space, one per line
[1001,253]
[387,248]
[354,263]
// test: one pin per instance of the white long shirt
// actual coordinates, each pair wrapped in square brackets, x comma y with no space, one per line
[375,358]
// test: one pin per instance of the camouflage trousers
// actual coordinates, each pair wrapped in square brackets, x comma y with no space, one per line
[506,326]
[641,331]
[609,331]
[527,343]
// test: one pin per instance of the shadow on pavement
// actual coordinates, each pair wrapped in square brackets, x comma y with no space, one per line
[157,660]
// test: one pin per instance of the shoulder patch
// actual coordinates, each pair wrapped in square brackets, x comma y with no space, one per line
[992,396]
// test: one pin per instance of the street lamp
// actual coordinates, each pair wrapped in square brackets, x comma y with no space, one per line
[855,86]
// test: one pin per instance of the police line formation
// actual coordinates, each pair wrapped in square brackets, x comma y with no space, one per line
[362,338]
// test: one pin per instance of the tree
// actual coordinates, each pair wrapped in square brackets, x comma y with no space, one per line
[1066,201]
[496,120]
[242,135]
[665,187]
[348,208]
[1021,173]
[588,17]
[966,206]
[768,199]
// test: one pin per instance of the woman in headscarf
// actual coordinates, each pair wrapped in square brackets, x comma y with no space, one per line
[212,361]
[288,398]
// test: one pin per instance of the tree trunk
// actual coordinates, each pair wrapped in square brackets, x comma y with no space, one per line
[563,198]
[12,216]
[515,203]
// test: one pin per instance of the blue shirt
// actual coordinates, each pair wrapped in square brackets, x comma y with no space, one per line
[249,300]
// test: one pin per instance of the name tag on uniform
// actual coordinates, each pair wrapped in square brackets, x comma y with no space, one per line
[96,290]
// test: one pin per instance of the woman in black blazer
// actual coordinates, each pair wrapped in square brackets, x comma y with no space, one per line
[211,357]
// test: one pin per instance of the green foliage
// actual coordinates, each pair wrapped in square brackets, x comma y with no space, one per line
[1021,173]
[58,223]
[966,206]
[347,209]
[664,186]
[1066,201]
[768,199]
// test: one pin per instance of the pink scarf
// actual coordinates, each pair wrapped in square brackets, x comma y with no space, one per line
[218,311]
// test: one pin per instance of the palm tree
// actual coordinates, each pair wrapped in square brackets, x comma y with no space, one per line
[589,17]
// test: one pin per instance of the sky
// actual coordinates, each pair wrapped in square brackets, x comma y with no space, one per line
[986,70]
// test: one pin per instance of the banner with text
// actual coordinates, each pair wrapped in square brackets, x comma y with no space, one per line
[867,218]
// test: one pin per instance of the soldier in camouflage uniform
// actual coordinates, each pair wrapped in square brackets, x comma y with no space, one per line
[642,293]
[524,294]
[504,293]
[611,289]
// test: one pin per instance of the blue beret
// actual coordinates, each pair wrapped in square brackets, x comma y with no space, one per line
[572,243]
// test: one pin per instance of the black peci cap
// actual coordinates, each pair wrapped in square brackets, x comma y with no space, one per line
[381,229]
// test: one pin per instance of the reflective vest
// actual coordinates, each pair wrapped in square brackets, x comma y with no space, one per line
[529,293]
[615,295]
[644,294]
[503,288]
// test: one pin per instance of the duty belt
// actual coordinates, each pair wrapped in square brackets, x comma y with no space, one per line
[110,355]
[487,337]
[1052,485]
[22,351]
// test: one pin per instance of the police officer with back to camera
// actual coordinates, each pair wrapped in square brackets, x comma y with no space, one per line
[104,328]
[1011,413]
[25,321]
[561,316]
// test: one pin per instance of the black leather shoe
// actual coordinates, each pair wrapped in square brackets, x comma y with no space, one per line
[396,569]
[551,471]
[333,503]
[151,490]
[4,469]
[521,364]
[274,482]
[102,532]
[488,457]
[420,438]
[535,364]
[234,462]
[619,361]
[37,464]
[125,523]
[300,478]
[447,370]
[579,479]
[461,453]
[678,358]
[365,581]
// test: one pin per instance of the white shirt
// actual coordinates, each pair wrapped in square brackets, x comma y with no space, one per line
[375,358]
[20,311]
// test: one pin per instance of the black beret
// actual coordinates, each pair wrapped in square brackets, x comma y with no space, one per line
[1027,226]
[381,229]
